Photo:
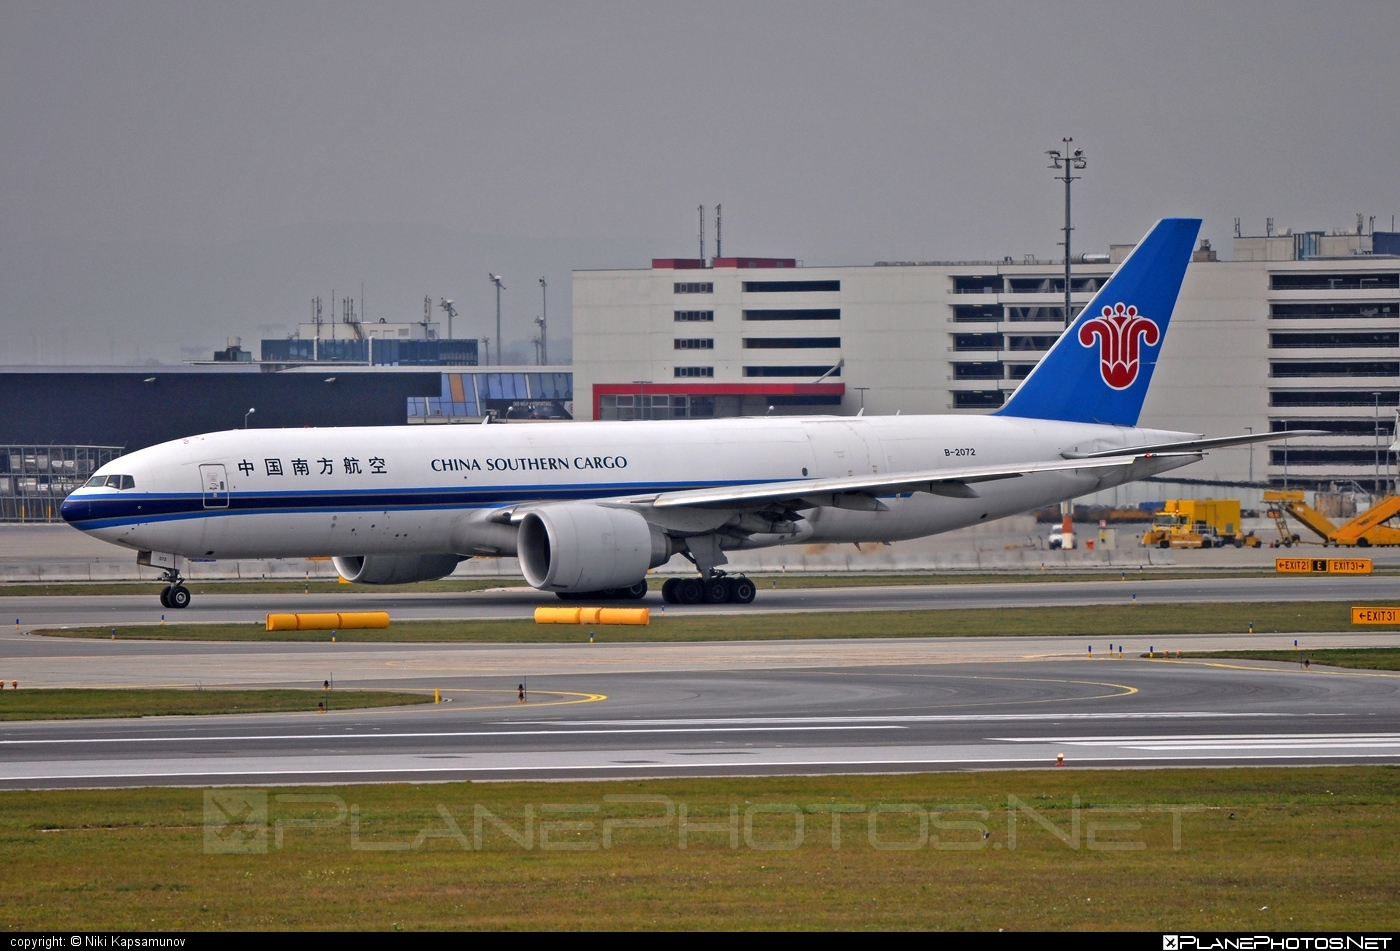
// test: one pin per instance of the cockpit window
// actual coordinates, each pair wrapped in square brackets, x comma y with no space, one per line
[114,482]
[96,482]
[128,482]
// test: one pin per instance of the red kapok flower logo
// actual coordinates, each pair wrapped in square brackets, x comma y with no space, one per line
[1121,332]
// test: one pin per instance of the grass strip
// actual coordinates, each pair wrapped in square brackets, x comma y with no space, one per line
[794,580]
[1239,850]
[84,703]
[1360,658]
[1091,620]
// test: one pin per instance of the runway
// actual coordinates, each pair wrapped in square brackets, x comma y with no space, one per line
[646,710]
[520,602]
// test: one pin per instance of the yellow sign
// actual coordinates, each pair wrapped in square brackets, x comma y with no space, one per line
[1375,615]
[1323,566]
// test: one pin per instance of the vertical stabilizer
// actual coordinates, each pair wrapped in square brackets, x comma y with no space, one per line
[1100,368]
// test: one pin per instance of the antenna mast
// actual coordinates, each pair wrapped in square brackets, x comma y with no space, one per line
[702,234]
[718,252]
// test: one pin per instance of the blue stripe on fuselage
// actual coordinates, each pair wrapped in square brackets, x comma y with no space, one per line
[109,511]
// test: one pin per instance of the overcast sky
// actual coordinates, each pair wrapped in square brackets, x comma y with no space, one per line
[174,173]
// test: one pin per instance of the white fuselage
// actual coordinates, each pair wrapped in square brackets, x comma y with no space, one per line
[399,490]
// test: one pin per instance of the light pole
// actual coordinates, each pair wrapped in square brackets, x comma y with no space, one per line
[543,321]
[451,310]
[1068,162]
[862,390]
[1250,430]
[251,411]
[644,408]
[496,279]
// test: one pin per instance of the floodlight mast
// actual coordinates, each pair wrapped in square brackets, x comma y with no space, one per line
[496,279]
[543,321]
[1069,162]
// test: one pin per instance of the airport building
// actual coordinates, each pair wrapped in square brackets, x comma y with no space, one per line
[1300,330]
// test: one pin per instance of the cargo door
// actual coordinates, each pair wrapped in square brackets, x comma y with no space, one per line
[214,479]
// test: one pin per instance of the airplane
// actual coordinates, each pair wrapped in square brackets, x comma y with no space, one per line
[590,508]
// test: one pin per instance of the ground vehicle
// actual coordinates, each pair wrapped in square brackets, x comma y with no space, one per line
[1056,539]
[1199,523]
[1369,528]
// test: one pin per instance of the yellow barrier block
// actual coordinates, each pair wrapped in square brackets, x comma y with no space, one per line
[556,615]
[1323,566]
[350,620]
[1375,615]
[624,616]
[328,622]
[593,616]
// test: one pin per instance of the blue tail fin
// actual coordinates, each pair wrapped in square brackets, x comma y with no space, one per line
[1099,369]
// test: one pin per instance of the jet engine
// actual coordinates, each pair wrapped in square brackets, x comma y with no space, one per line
[395,569]
[580,546]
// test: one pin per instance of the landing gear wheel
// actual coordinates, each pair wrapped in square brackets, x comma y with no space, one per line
[716,590]
[165,596]
[637,591]
[179,597]
[670,591]
[742,591]
[691,590]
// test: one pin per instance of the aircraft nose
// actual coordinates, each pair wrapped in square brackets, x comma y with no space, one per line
[74,510]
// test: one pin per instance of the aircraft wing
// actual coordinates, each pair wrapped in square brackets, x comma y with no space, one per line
[954,483]
[1196,445]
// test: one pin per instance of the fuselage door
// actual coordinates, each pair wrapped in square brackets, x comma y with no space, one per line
[215,482]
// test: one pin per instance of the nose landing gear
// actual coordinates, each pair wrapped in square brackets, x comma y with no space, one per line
[716,589]
[175,594]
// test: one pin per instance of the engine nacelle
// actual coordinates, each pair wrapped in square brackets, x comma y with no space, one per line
[395,569]
[580,546]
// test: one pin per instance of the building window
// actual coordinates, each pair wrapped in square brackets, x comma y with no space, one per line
[1019,371]
[1332,398]
[694,343]
[790,287]
[695,287]
[1324,457]
[809,371]
[977,341]
[976,313]
[1038,314]
[1054,285]
[1037,342]
[1337,339]
[989,284]
[1384,426]
[1332,282]
[694,371]
[1328,311]
[1336,368]
[792,343]
[694,315]
[977,399]
[656,407]
[977,371]
[830,313]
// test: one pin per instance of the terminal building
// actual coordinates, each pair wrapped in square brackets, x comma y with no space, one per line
[1298,331]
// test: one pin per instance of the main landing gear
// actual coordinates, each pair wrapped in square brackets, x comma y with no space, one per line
[175,594]
[716,589]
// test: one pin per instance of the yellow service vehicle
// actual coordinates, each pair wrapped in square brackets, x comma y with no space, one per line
[1198,523]
[1375,526]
